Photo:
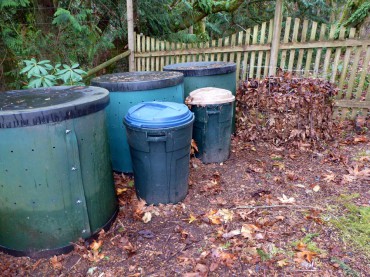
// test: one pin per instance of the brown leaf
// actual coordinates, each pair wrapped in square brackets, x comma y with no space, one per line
[305,255]
[214,266]
[55,263]
[95,245]
[358,139]
[139,207]
[282,263]
[201,268]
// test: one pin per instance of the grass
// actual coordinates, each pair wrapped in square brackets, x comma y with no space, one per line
[310,245]
[354,225]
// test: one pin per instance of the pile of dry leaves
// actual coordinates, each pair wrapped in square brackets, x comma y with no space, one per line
[286,109]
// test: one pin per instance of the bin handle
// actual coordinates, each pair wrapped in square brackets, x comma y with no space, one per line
[156,137]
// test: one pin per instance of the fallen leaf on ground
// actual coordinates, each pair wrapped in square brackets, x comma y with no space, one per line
[55,263]
[95,245]
[316,188]
[139,206]
[305,255]
[91,270]
[231,234]
[355,173]
[147,217]
[226,215]
[191,218]
[248,230]
[282,263]
[330,177]
[213,217]
[120,191]
[194,146]
[286,200]
[358,139]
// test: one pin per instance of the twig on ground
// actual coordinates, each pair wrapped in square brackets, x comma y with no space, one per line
[277,206]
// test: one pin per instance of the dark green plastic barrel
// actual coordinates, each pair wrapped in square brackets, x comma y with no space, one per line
[207,74]
[159,135]
[126,90]
[213,110]
[56,182]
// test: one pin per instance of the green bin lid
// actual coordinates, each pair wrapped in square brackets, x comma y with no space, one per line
[209,96]
[136,81]
[22,108]
[158,115]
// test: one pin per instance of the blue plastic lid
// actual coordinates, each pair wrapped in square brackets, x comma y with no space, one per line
[155,115]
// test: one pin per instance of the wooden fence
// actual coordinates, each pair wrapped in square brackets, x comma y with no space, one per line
[306,47]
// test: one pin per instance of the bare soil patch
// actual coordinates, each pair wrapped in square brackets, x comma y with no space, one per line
[264,212]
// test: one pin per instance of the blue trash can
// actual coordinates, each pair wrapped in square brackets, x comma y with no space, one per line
[159,135]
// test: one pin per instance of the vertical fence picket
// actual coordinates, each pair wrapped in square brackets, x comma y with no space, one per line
[213,45]
[367,96]
[337,56]
[352,78]
[294,40]
[157,48]
[138,49]
[147,60]
[179,57]
[200,56]
[364,72]
[268,53]
[206,47]
[226,54]
[260,53]
[239,55]
[310,51]
[246,54]
[152,59]
[253,54]
[328,52]
[167,47]
[303,39]
[162,57]
[183,56]
[285,40]
[219,45]
[319,51]
[233,43]
[346,60]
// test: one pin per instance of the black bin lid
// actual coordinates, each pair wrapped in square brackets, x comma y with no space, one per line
[22,108]
[140,80]
[196,69]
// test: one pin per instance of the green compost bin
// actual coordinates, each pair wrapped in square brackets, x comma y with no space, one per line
[128,89]
[56,183]
[213,110]
[159,135]
[207,74]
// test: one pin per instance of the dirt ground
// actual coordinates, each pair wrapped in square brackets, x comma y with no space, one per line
[266,211]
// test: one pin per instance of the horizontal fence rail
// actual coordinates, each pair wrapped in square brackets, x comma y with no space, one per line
[312,49]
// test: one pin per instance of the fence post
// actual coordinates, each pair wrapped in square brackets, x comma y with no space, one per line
[276,37]
[130,35]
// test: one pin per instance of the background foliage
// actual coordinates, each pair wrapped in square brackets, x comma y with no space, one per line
[89,32]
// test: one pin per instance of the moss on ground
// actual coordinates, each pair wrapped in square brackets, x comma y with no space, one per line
[354,224]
